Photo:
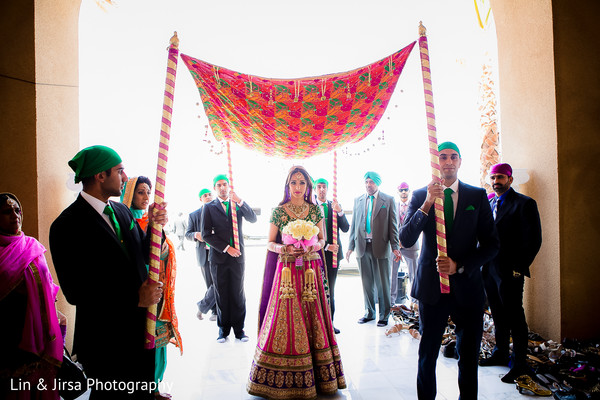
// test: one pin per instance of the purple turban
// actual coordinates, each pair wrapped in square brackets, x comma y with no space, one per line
[403,185]
[502,168]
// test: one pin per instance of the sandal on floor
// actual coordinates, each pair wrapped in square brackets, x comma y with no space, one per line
[526,385]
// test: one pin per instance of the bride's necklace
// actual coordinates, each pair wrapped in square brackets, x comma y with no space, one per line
[297,210]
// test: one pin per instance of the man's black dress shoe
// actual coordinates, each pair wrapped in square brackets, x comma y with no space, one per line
[336,330]
[381,323]
[494,360]
[364,319]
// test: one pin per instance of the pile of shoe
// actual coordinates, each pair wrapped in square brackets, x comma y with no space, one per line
[405,318]
[569,369]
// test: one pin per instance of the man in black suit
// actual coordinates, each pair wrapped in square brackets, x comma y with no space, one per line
[100,255]
[194,227]
[520,232]
[328,209]
[227,262]
[471,241]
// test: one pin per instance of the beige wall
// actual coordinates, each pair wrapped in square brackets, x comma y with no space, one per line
[39,108]
[18,161]
[550,110]
[528,137]
[577,65]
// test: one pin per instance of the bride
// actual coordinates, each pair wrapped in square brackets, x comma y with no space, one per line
[297,354]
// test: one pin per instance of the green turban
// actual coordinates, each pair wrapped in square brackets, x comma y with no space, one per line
[92,160]
[203,192]
[220,177]
[448,145]
[321,180]
[374,176]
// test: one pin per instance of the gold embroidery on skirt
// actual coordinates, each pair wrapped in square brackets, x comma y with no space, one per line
[270,377]
[279,379]
[280,339]
[298,379]
[289,379]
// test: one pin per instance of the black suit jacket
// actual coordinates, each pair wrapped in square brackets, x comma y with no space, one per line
[195,225]
[472,242]
[343,225]
[217,229]
[102,280]
[520,233]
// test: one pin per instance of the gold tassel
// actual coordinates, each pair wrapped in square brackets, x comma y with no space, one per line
[309,293]
[286,289]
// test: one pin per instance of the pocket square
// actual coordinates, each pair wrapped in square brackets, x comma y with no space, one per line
[469,208]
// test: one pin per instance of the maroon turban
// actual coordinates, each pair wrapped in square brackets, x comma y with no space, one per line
[502,168]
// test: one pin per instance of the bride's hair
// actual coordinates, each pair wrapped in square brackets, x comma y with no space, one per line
[308,196]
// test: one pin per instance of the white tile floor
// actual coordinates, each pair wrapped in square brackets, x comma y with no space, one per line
[376,366]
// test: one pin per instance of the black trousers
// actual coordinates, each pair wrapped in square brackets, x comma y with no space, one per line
[505,296]
[469,329]
[208,301]
[228,280]
[331,278]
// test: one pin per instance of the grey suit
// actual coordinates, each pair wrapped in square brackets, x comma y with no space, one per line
[373,257]
[409,254]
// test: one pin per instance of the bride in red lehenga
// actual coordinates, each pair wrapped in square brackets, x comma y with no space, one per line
[297,354]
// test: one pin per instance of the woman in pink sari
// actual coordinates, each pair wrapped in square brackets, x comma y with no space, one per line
[31,342]
[297,354]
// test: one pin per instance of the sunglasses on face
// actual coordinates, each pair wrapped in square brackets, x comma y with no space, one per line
[403,190]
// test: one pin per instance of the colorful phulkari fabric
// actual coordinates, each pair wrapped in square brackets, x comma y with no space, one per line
[296,118]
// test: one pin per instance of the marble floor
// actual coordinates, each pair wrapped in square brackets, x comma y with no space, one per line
[376,366]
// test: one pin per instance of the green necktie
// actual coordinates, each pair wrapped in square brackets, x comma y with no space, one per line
[226,207]
[111,215]
[108,210]
[448,209]
[369,214]
[325,211]
[227,212]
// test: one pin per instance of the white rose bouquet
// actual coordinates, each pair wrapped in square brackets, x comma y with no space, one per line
[300,233]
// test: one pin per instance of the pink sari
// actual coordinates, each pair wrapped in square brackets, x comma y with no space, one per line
[22,260]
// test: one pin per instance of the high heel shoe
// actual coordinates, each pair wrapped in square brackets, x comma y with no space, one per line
[526,385]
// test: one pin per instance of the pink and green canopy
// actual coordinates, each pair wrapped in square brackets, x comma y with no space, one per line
[296,118]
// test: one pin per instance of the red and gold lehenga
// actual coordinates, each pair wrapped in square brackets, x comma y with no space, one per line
[297,354]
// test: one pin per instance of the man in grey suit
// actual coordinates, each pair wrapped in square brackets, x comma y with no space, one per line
[373,232]
[410,254]
[194,226]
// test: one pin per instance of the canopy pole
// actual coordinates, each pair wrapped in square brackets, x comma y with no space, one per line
[161,177]
[234,221]
[440,225]
[334,216]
